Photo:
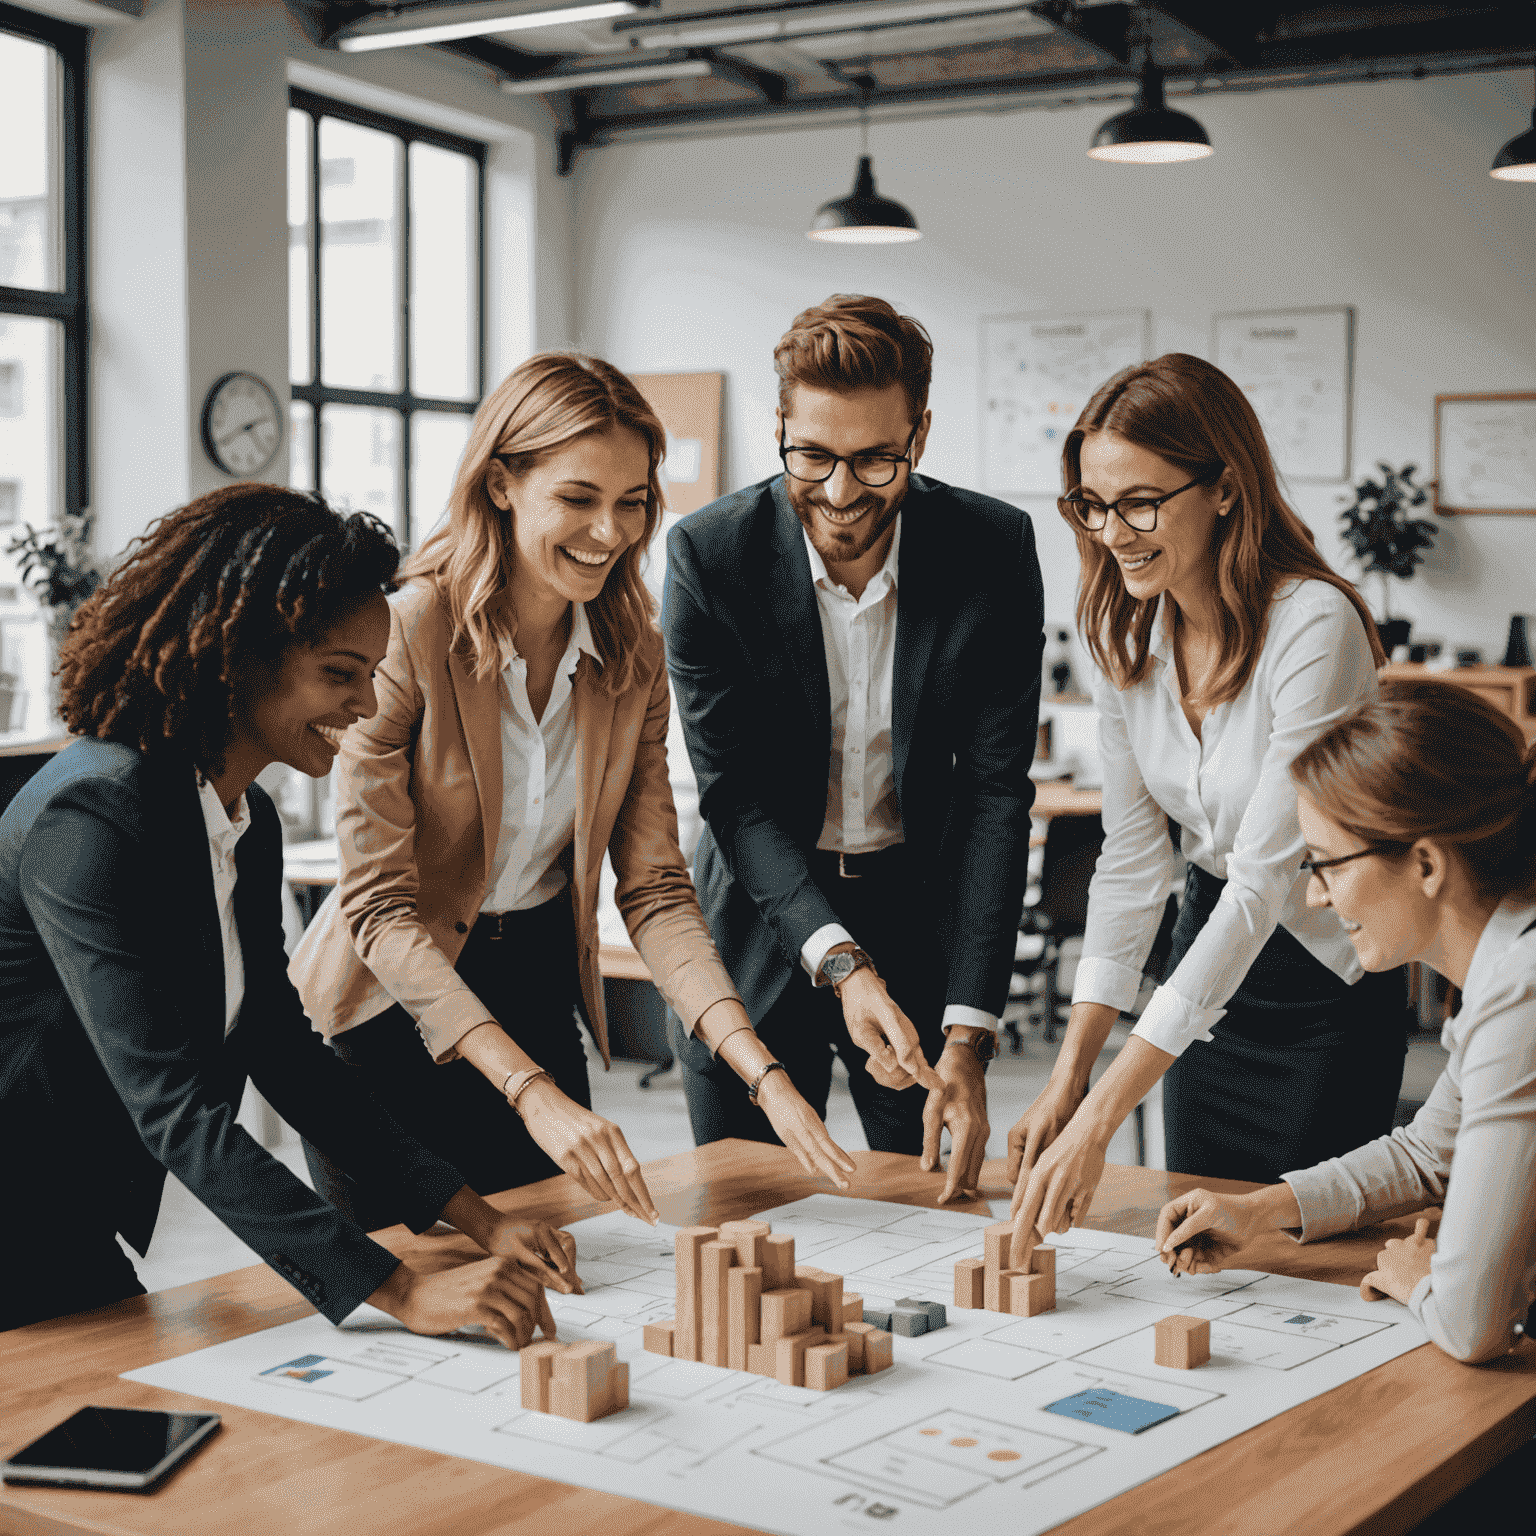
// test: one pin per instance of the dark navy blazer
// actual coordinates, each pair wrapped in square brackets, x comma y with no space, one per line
[748,666]
[114,1066]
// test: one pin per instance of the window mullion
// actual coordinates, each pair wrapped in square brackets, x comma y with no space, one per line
[406,362]
[316,366]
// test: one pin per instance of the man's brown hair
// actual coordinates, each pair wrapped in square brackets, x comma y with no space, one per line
[849,342]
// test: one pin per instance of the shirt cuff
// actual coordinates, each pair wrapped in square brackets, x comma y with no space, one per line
[1327,1203]
[815,948]
[448,1020]
[1106,982]
[1418,1296]
[975,1018]
[1172,1023]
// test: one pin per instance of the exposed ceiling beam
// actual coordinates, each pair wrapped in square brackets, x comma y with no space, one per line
[1106,29]
[763,83]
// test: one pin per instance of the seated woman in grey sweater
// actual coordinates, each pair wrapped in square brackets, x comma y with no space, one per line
[1419,811]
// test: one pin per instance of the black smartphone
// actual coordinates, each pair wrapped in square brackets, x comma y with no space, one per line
[130,1448]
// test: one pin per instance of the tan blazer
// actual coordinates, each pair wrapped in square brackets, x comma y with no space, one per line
[418,812]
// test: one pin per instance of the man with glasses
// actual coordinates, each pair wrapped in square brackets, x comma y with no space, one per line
[855,651]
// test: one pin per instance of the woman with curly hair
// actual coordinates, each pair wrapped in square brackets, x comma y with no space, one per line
[142,974]
[521,734]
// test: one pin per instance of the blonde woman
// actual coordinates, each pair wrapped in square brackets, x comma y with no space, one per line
[521,733]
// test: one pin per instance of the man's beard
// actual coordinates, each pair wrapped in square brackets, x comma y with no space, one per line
[837,546]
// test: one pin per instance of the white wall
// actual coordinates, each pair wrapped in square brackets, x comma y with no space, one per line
[692,256]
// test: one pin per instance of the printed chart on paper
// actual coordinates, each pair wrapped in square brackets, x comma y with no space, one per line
[1010,1423]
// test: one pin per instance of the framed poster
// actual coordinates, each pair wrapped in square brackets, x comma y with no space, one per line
[689,407]
[1485,453]
[1296,367]
[1037,374]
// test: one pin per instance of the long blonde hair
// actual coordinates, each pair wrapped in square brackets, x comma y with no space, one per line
[543,404]
[1189,413]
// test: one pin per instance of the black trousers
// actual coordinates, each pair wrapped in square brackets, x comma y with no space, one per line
[82,1268]
[523,968]
[885,912]
[1302,1068]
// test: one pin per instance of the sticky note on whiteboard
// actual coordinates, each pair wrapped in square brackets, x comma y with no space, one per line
[1112,1410]
[685,460]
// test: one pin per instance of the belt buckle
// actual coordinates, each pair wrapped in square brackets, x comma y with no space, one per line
[842,867]
[496,935]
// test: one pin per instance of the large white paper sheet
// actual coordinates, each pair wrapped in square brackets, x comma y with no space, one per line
[956,1427]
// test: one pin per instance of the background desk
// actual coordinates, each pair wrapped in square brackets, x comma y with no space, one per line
[1373,1456]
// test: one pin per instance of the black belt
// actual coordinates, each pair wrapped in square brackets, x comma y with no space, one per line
[507,925]
[881,864]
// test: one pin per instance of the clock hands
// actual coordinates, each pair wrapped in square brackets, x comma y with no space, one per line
[230,436]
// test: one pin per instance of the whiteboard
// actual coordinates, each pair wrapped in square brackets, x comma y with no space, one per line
[1294,366]
[1037,374]
[1485,453]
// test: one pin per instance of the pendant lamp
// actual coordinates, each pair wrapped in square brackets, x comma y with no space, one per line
[864,217]
[1517,160]
[1151,133]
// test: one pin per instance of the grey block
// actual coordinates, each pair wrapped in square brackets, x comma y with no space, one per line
[877,1319]
[937,1316]
[909,1322]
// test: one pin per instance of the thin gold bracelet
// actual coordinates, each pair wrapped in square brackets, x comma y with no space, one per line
[522,1088]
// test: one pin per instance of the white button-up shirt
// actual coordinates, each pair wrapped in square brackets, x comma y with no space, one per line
[223,834]
[1231,792]
[859,638]
[1482,1114]
[540,779]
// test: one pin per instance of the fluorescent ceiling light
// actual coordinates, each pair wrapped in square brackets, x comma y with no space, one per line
[781,24]
[473,21]
[548,84]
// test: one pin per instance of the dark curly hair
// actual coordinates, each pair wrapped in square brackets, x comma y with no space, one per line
[222,585]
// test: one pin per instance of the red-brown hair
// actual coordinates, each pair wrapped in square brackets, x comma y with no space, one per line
[1430,759]
[853,342]
[1190,414]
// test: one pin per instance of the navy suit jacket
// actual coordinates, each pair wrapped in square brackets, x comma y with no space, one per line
[748,666]
[114,1066]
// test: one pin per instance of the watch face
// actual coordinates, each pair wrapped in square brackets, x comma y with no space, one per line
[242,424]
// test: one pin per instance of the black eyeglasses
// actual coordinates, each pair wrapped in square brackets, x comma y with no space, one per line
[1138,513]
[816,466]
[1317,866]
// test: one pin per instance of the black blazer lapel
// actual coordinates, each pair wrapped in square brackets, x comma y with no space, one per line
[919,588]
[792,601]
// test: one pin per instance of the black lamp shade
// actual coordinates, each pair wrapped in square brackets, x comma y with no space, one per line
[863,217]
[1150,133]
[1517,160]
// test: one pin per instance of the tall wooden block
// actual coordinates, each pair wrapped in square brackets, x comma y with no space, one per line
[970,1283]
[1026,1295]
[853,1308]
[618,1386]
[715,1262]
[760,1359]
[535,1362]
[784,1312]
[878,1351]
[997,1238]
[1043,1262]
[749,1238]
[778,1261]
[789,1355]
[1182,1342]
[658,1338]
[685,1340]
[856,1335]
[826,1295]
[744,1288]
[826,1366]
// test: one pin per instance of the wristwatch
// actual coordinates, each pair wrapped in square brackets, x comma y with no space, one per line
[837,968]
[983,1043]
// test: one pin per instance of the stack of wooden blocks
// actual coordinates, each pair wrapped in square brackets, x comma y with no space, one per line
[581,1381]
[743,1303]
[988,1283]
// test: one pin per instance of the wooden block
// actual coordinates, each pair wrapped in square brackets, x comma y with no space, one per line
[1027,1295]
[878,1351]
[760,1359]
[998,1238]
[784,1312]
[789,1355]
[749,1238]
[618,1386]
[778,1261]
[744,1296]
[826,1366]
[970,1282]
[685,1339]
[536,1361]
[1182,1342]
[578,1387]
[658,1337]
[856,1334]
[826,1295]
[853,1308]
[715,1263]
[1043,1262]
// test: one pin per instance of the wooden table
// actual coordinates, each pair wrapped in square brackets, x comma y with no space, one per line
[1060,797]
[1374,1456]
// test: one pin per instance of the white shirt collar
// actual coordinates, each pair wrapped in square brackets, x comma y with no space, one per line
[1510,918]
[887,569]
[222,832]
[581,640]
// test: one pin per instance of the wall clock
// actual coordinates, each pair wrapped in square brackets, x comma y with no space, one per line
[242,424]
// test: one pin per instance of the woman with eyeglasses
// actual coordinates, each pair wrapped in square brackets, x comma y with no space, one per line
[1225,645]
[521,735]
[1419,812]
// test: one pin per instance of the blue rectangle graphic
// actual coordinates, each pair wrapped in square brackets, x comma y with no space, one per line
[1112,1410]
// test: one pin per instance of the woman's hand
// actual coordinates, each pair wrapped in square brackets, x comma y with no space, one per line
[1401,1264]
[592,1150]
[1199,1233]
[1061,1185]
[801,1129]
[544,1249]
[1040,1125]
[499,1295]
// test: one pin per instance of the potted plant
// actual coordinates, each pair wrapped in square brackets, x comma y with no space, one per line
[60,571]
[1387,541]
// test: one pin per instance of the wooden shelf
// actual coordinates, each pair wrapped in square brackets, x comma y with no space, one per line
[1511,689]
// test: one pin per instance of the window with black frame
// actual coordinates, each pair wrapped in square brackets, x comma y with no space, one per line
[42,330]
[386,308]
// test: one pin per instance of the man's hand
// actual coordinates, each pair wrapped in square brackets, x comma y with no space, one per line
[884,1033]
[801,1129]
[1402,1264]
[498,1295]
[960,1102]
[538,1246]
